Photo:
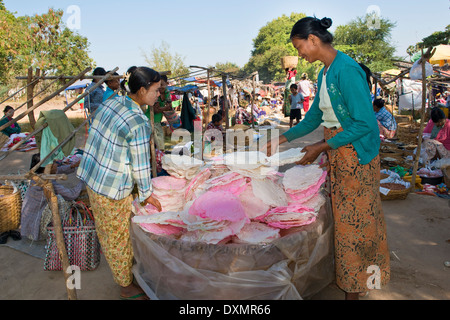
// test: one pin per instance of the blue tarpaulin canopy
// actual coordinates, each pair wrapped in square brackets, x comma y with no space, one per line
[183,89]
[79,84]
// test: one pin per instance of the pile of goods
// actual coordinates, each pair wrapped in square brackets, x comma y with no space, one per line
[8,143]
[235,198]
[408,133]
[392,186]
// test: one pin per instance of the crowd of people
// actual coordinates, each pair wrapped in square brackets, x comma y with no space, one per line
[115,167]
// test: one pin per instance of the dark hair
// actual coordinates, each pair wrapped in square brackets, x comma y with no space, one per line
[99,71]
[114,74]
[164,78]
[35,159]
[379,103]
[7,108]
[311,25]
[140,77]
[437,114]
[368,74]
[294,86]
[216,118]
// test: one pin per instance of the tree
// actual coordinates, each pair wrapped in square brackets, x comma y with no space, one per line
[435,39]
[160,59]
[270,45]
[39,41]
[367,45]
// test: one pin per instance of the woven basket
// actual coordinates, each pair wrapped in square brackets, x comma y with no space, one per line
[446,172]
[10,208]
[289,62]
[396,194]
[408,132]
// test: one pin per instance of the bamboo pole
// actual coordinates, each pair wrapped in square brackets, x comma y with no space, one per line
[152,142]
[17,92]
[46,99]
[85,77]
[70,136]
[209,99]
[37,94]
[423,61]
[25,177]
[50,195]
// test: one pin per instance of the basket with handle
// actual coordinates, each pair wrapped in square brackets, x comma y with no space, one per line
[289,62]
[80,237]
[10,208]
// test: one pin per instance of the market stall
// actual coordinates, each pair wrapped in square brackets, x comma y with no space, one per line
[234,230]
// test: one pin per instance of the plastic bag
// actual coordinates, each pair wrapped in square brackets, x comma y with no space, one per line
[416,70]
[295,266]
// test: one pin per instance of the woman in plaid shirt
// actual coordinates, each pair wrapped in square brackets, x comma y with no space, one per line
[386,121]
[115,160]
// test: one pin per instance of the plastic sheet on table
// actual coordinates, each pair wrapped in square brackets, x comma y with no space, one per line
[295,266]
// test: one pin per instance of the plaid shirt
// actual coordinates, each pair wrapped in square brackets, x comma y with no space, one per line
[117,151]
[386,119]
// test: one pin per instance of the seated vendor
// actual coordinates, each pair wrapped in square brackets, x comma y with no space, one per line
[386,120]
[13,128]
[211,133]
[437,136]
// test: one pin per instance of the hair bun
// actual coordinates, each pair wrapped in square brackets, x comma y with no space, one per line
[326,23]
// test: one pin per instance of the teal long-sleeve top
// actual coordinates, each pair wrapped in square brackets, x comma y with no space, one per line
[9,130]
[351,101]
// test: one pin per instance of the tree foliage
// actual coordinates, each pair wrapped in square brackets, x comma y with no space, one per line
[161,59]
[39,41]
[367,44]
[270,45]
[435,39]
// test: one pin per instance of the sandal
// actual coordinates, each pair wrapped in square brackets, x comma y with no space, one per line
[15,235]
[4,237]
[136,297]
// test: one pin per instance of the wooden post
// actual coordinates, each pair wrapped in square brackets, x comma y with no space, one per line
[424,59]
[152,142]
[209,98]
[49,193]
[30,87]
[225,100]
[253,101]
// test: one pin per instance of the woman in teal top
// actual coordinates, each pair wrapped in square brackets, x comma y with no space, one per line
[13,128]
[343,106]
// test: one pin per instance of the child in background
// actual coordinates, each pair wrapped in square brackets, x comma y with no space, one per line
[296,100]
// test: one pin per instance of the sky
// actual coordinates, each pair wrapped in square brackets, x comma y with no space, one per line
[206,32]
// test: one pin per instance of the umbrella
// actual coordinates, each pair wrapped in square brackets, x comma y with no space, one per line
[442,55]
[390,72]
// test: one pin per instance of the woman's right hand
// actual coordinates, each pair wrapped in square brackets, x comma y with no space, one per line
[154,202]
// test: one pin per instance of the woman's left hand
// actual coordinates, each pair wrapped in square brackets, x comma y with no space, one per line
[313,151]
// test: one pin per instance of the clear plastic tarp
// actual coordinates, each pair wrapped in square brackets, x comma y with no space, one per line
[293,267]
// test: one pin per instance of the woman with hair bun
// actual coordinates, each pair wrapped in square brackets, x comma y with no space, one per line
[343,106]
[115,161]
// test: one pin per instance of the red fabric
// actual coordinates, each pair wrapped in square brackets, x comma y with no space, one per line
[306,104]
[443,135]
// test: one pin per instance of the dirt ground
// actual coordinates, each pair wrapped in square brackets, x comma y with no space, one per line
[418,236]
